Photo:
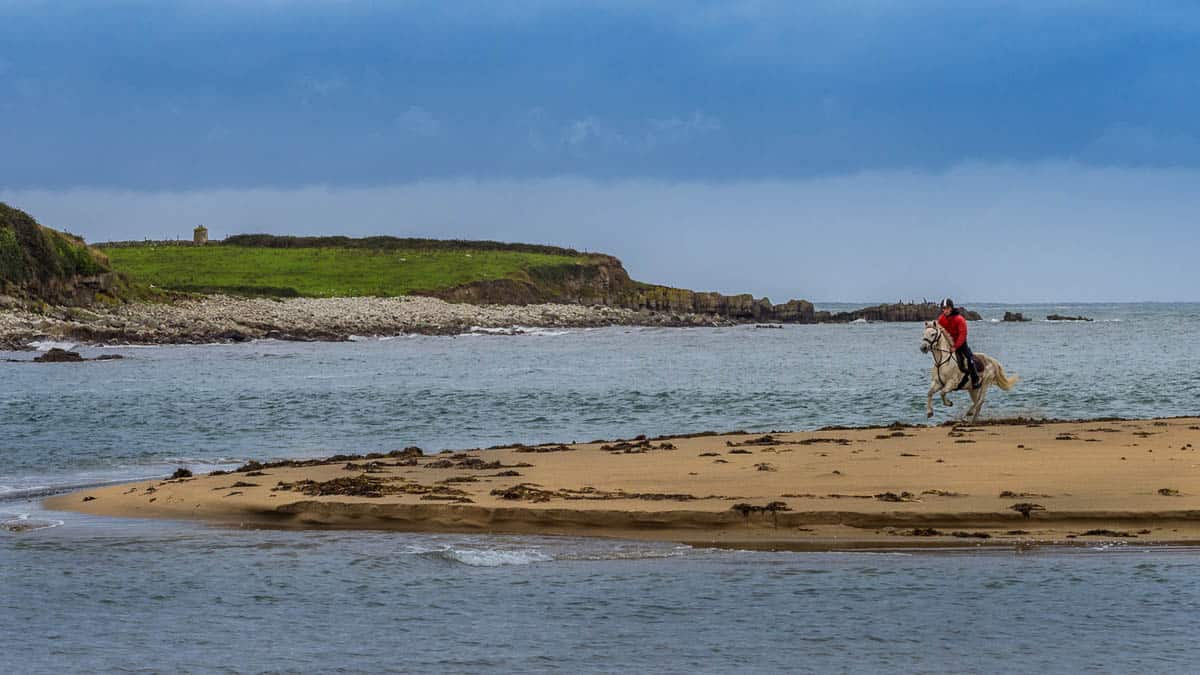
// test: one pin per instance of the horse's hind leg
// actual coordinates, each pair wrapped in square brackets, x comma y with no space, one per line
[977,396]
[933,387]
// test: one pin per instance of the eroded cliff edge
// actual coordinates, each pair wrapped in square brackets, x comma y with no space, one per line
[605,282]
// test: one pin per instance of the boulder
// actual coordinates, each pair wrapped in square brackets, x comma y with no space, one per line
[900,311]
[1014,316]
[56,355]
[794,311]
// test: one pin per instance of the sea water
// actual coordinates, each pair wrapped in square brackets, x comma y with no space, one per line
[82,593]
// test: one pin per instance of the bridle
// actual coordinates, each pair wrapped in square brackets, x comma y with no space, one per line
[933,343]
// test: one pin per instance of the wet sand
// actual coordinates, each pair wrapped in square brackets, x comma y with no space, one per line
[1013,483]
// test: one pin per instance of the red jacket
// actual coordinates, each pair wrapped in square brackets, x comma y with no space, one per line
[956,326]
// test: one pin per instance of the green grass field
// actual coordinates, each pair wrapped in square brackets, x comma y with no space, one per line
[319,272]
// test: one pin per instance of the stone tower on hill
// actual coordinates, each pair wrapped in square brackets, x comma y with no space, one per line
[200,235]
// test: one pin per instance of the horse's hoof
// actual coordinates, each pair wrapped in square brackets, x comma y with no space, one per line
[948,403]
[929,414]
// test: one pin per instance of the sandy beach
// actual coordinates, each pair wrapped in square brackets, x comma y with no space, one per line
[1013,483]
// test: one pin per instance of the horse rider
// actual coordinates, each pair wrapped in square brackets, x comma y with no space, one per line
[956,325]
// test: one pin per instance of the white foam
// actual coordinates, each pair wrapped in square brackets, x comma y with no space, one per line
[202,465]
[494,557]
[517,330]
[21,522]
[625,554]
[7,489]
[47,345]
[484,330]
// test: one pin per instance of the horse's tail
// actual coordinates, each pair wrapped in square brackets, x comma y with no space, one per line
[1004,381]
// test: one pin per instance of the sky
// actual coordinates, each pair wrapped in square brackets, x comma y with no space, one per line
[868,150]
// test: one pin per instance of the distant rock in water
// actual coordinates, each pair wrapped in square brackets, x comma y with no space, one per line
[56,355]
[1059,317]
[900,311]
[1015,316]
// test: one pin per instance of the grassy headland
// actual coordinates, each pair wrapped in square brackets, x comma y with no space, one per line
[40,265]
[30,252]
[340,270]
[472,272]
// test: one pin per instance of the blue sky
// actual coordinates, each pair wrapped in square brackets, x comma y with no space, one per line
[830,150]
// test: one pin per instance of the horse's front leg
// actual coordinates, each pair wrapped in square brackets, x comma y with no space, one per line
[940,378]
[933,388]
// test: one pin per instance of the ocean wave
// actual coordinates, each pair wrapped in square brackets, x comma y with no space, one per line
[22,522]
[515,330]
[10,493]
[172,345]
[491,557]
[593,556]
[47,345]
[202,465]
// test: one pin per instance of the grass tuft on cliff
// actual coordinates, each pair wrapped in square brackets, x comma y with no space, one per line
[261,265]
[30,252]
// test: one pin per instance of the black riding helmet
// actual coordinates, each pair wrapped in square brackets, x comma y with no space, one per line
[947,303]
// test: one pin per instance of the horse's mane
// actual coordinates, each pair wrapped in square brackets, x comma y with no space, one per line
[943,334]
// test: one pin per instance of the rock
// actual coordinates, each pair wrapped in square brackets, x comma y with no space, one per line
[1026,509]
[794,311]
[1059,317]
[232,336]
[224,319]
[900,311]
[56,355]
[1015,316]
[8,302]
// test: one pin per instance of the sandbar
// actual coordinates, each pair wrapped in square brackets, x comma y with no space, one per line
[1014,483]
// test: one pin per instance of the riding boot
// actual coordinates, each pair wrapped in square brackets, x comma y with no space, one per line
[973,371]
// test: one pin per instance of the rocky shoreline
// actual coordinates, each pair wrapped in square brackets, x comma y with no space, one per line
[228,319]
[218,318]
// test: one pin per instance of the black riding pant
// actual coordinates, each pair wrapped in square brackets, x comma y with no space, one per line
[964,352]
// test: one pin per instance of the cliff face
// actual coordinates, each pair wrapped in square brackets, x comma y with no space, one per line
[601,282]
[41,264]
[605,282]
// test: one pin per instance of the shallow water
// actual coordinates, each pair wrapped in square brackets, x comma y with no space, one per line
[170,597]
[82,593]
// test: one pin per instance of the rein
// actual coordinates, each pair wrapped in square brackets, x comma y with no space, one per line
[934,348]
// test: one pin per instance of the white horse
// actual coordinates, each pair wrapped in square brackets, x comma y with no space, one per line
[946,375]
